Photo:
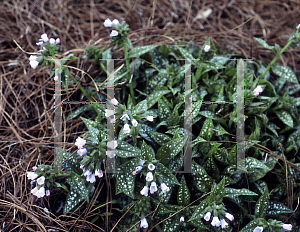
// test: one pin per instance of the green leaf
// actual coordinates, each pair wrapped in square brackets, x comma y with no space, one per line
[276,208]
[285,72]
[202,180]
[154,97]
[160,138]
[232,193]
[206,131]
[172,224]
[126,150]
[183,195]
[198,213]
[170,150]
[125,182]
[285,117]
[163,109]
[141,107]
[218,192]
[261,204]
[146,152]
[79,111]
[169,178]
[264,43]
[138,51]
[78,184]
[144,132]
[164,50]
[253,224]
[185,53]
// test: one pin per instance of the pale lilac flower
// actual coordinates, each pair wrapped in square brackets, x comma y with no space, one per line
[124,117]
[151,167]
[144,223]
[114,102]
[109,113]
[164,188]
[56,78]
[42,169]
[52,41]
[224,224]
[41,180]
[82,151]
[141,162]
[134,122]
[138,168]
[99,173]
[32,58]
[207,216]
[44,38]
[256,93]
[206,48]
[257,90]
[126,129]
[113,120]
[91,178]
[114,33]
[95,143]
[215,222]
[47,193]
[82,167]
[144,191]
[134,173]
[149,118]
[87,173]
[107,23]
[115,22]
[258,229]
[57,41]
[80,142]
[38,192]
[229,216]
[112,144]
[32,182]
[33,62]
[34,168]
[149,176]
[288,227]
[153,187]
[40,43]
[31,175]
[182,219]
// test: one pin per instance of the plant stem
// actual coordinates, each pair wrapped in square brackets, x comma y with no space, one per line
[102,66]
[275,58]
[129,76]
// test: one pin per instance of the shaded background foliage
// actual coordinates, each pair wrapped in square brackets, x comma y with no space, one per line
[26,96]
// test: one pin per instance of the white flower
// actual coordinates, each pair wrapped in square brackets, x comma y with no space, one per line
[34,168]
[115,22]
[110,154]
[114,101]
[40,43]
[91,178]
[124,117]
[151,167]
[288,227]
[258,229]
[126,128]
[107,23]
[182,219]
[149,118]
[144,223]
[207,216]
[229,216]
[48,193]
[56,78]
[109,113]
[257,90]
[32,58]
[144,191]
[52,41]
[99,173]
[149,176]
[57,41]
[31,175]
[224,224]
[80,142]
[113,120]
[206,48]
[134,122]
[256,93]
[38,192]
[87,173]
[215,222]
[298,26]
[153,187]
[41,180]
[113,33]
[164,188]
[141,162]
[44,38]
[34,64]
[112,144]
[138,168]
[82,151]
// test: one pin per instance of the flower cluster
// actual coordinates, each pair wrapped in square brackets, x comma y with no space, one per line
[108,23]
[216,221]
[273,224]
[39,178]
[257,90]
[90,176]
[144,223]
[80,142]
